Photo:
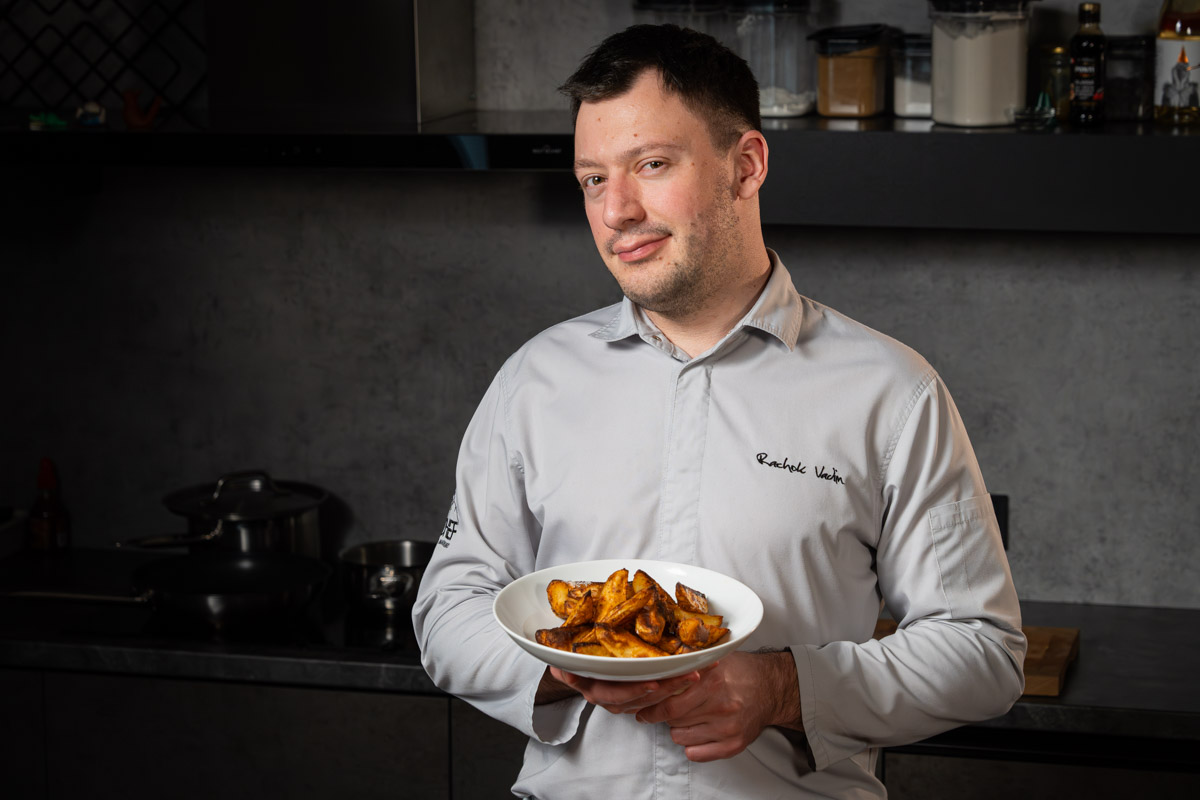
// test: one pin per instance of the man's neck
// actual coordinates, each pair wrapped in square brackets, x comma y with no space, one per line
[701,330]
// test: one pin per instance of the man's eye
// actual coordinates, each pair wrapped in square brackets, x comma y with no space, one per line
[654,164]
[592,181]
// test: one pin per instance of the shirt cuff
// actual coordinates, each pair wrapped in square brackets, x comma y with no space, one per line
[555,723]
[808,706]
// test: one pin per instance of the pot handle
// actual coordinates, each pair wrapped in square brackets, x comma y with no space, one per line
[247,475]
[385,585]
[172,539]
[117,599]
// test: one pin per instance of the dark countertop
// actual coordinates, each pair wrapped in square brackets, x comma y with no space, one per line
[125,638]
[1134,675]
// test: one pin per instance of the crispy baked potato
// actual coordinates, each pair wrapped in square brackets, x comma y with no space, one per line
[629,618]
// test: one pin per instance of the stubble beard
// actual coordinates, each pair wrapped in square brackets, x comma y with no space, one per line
[684,286]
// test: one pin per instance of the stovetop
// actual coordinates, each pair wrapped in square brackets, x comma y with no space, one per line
[329,623]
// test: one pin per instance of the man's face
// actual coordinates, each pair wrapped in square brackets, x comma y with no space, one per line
[659,197]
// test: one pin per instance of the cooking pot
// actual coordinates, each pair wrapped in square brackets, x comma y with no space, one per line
[218,589]
[384,575]
[245,512]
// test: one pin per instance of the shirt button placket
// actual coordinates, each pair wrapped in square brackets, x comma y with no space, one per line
[687,431]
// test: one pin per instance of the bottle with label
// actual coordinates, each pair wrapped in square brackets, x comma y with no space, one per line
[1087,68]
[1177,64]
[49,526]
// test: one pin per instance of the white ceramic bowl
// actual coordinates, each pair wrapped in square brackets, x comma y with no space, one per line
[522,608]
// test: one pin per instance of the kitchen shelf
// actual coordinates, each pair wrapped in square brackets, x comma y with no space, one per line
[882,172]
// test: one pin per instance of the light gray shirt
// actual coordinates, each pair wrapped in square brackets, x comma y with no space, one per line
[817,460]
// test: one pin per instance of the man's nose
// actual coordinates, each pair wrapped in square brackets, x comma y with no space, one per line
[622,203]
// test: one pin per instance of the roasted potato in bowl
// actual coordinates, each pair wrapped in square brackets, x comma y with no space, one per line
[647,622]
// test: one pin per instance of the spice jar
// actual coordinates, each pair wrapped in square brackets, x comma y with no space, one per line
[1129,78]
[1055,82]
[773,38]
[911,76]
[979,53]
[852,70]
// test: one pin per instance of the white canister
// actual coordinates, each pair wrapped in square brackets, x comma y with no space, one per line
[979,55]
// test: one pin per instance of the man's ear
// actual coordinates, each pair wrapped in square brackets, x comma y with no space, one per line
[750,154]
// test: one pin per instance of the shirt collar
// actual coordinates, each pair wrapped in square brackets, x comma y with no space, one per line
[777,311]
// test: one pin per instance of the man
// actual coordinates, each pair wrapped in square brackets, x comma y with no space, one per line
[717,417]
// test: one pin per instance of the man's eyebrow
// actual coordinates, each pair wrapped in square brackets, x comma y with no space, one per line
[630,154]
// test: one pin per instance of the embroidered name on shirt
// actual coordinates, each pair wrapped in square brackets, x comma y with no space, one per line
[824,473]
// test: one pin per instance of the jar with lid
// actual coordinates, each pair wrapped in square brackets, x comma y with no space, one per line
[911,76]
[852,70]
[1055,79]
[1129,79]
[980,49]
[773,38]
[1177,62]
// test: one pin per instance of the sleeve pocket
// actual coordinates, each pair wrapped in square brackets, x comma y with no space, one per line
[963,534]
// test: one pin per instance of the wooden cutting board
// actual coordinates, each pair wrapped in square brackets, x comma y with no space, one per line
[1051,651]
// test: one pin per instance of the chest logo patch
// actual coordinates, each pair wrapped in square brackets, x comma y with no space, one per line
[823,472]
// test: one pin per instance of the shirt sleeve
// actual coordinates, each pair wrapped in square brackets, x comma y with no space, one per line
[958,654]
[490,538]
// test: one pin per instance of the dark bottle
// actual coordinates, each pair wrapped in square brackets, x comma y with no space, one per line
[1087,50]
[49,527]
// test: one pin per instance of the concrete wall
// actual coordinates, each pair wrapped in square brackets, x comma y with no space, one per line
[163,327]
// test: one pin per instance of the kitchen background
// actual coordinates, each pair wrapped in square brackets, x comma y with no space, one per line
[163,326]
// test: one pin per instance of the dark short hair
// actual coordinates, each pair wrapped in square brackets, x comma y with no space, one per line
[711,80]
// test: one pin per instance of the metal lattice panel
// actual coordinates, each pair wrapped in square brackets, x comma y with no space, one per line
[56,55]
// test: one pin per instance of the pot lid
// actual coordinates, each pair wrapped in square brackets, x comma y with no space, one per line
[243,496]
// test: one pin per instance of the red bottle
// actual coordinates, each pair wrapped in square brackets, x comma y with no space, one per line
[49,525]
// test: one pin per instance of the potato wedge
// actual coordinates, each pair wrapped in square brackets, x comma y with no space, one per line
[560,638]
[710,620]
[715,635]
[651,621]
[691,600]
[618,616]
[587,636]
[623,644]
[614,592]
[556,592]
[583,611]
[641,581]
[670,643]
[693,632]
[591,649]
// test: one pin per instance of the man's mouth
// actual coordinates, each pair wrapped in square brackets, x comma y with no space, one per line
[638,250]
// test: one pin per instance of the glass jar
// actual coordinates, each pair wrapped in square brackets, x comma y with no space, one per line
[911,76]
[1055,79]
[852,70]
[1129,79]
[979,53]
[705,16]
[773,38]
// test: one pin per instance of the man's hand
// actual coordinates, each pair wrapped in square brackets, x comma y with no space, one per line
[730,705]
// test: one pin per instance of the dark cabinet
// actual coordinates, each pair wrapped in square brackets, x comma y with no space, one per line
[126,737]
[69,735]
[22,733]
